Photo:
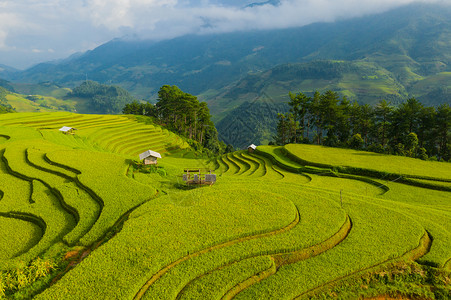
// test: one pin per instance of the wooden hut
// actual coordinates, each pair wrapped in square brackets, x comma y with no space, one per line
[149,157]
[67,130]
[251,148]
[199,176]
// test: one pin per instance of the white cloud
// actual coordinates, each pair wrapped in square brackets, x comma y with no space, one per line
[169,18]
[3,36]
[8,22]
[115,14]
[63,26]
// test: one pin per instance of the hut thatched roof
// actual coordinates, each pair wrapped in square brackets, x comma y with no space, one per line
[66,129]
[148,153]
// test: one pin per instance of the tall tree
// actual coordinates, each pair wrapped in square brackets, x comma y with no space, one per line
[184,114]
[410,112]
[343,120]
[299,104]
[425,128]
[443,131]
[411,144]
[366,114]
[354,118]
[315,116]
[285,129]
[382,113]
[329,111]
[408,129]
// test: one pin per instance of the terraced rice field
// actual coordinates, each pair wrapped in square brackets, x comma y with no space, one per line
[280,223]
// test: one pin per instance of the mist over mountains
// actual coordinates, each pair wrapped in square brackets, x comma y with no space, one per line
[393,55]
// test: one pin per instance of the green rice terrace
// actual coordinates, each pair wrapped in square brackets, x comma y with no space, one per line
[80,218]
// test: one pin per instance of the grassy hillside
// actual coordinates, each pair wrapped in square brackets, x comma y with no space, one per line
[47,96]
[280,223]
[42,88]
[4,106]
[360,81]
[36,103]
[33,103]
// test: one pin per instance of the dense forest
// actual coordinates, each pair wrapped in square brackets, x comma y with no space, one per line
[408,129]
[4,106]
[183,114]
[105,99]
[250,123]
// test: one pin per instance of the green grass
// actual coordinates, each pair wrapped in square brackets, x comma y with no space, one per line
[431,209]
[280,223]
[440,80]
[218,282]
[256,167]
[221,166]
[45,211]
[346,186]
[270,173]
[308,232]
[233,167]
[178,227]
[275,153]
[320,155]
[3,139]
[104,176]
[17,236]
[44,104]
[242,164]
[87,209]
[370,242]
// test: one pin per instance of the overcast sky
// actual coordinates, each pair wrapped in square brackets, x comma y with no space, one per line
[33,31]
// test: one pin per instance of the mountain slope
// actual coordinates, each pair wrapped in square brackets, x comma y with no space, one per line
[359,80]
[394,55]
[242,122]
[7,85]
[7,71]
[412,41]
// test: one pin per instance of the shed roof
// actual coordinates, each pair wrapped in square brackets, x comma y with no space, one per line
[149,153]
[253,147]
[66,129]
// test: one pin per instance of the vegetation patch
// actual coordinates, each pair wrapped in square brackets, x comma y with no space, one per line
[347,158]
[17,236]
[406,280]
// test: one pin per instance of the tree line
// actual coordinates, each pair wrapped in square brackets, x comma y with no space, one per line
[183,114]
[408,129]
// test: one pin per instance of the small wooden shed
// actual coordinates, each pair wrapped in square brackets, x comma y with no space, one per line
[198,176]
[251,148]
[149,157]
[67,130]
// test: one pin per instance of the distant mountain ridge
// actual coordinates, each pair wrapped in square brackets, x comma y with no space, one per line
[411,42]
[405,52]
[7,85]
[6,71]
